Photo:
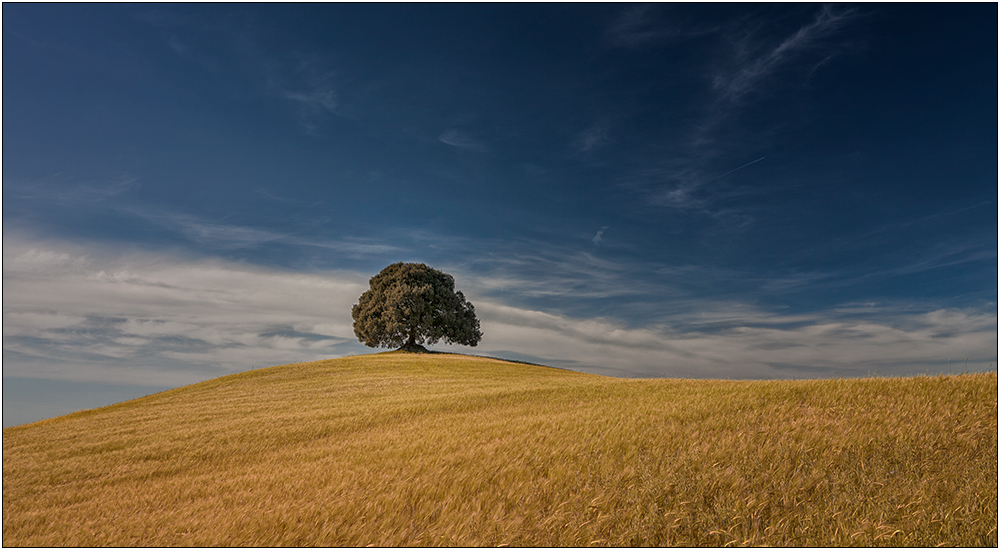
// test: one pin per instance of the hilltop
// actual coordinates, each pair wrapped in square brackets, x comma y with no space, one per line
[438,449]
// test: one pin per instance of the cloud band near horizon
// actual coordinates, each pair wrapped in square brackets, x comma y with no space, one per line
[88,314]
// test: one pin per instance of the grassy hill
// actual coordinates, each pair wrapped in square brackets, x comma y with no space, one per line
[414,449]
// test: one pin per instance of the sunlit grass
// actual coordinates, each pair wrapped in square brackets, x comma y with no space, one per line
[405,449]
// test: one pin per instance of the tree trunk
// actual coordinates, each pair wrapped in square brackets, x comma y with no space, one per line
[412,346]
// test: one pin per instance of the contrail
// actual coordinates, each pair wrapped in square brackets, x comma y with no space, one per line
[735,169]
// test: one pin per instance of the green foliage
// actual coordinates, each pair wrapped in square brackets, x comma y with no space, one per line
[411,304]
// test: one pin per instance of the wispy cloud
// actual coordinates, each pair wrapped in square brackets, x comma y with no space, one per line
[92,314]
[314,80]
[316,100]
[684,186]
[114,195]
[310,83]
[223,48]
[60,188]
[307,81]
[594,137]
[561,279]
[217,235]
[673,187]
[733,85]
[794,347]
[634,27]
[599,236]
[577,281]
[642,26]
[462,140]
[714,149]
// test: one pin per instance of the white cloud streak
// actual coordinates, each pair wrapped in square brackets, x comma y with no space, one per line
[309,82]
[680,182]
[733,85]
[810,347]
[87,314]
[599,237]
[461,140]
[641,26]
[60,189]
[80,314]
[231,236]
[634,28]
[594,137]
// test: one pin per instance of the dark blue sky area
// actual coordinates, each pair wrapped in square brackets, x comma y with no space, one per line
[638,164]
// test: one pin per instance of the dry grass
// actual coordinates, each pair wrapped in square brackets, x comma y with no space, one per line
[401,449]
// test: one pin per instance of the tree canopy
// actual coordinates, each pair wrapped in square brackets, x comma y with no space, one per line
[410,304]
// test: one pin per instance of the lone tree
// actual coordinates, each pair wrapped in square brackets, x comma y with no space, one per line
[411,304]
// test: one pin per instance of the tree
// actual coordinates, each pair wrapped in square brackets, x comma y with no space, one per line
[411,304]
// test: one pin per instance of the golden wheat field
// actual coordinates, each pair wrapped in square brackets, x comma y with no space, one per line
[397,449]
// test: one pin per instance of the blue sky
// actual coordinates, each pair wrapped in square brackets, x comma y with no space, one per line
[704,190]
